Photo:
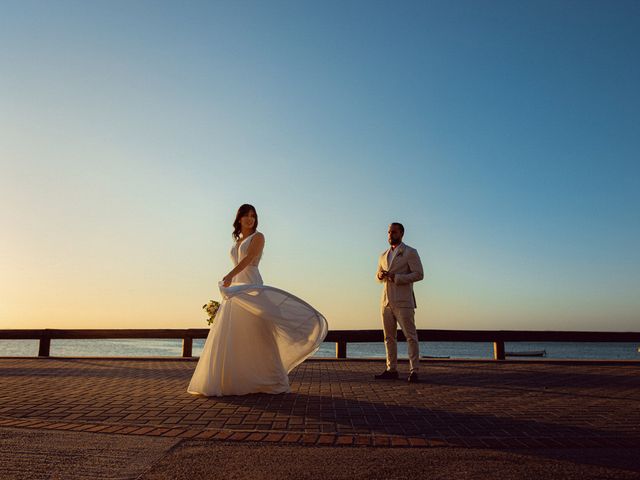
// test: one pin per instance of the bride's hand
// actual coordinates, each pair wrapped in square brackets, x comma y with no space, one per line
[226,281]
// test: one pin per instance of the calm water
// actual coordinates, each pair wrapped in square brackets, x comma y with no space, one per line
[173,348]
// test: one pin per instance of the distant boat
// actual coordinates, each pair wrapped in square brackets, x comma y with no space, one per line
[530,353]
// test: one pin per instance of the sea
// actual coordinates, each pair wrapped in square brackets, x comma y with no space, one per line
[453,350]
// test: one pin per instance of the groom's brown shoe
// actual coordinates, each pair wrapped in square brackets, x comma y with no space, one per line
[387,375]
[413,378]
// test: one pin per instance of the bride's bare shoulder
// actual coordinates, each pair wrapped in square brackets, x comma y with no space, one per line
[258,238]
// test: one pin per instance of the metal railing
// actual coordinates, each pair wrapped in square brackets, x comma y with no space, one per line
[340,337]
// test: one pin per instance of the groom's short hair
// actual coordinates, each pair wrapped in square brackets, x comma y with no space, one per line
[399,225]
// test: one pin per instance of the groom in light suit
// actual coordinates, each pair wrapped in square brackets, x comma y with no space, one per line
[398,268]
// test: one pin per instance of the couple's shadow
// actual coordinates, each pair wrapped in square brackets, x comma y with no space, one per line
[333,413]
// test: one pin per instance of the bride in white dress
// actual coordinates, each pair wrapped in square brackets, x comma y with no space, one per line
[259,333]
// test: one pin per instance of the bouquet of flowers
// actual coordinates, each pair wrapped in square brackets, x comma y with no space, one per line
[211,308]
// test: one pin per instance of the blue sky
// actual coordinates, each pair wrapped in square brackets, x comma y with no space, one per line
[504,135]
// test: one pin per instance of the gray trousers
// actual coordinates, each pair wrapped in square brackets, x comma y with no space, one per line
[391,317]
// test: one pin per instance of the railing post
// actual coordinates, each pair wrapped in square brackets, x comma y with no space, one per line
[187,344]
[341,349]
[498,350]
[44,348]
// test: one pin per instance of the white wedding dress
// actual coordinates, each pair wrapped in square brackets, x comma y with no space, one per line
[258,336]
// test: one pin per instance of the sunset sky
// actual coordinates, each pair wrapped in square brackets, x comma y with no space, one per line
[504,135]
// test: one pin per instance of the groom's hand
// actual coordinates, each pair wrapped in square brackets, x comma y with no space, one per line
[391,276]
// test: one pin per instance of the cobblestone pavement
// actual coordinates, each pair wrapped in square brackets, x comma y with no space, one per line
[465,404]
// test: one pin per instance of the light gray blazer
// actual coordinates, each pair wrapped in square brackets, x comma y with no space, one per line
[407,267]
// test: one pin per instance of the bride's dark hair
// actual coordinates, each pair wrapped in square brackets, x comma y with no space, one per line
[242,211]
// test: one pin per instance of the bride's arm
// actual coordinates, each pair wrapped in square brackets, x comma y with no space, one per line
[255,250]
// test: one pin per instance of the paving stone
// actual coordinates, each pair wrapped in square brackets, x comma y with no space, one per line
[543,404]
